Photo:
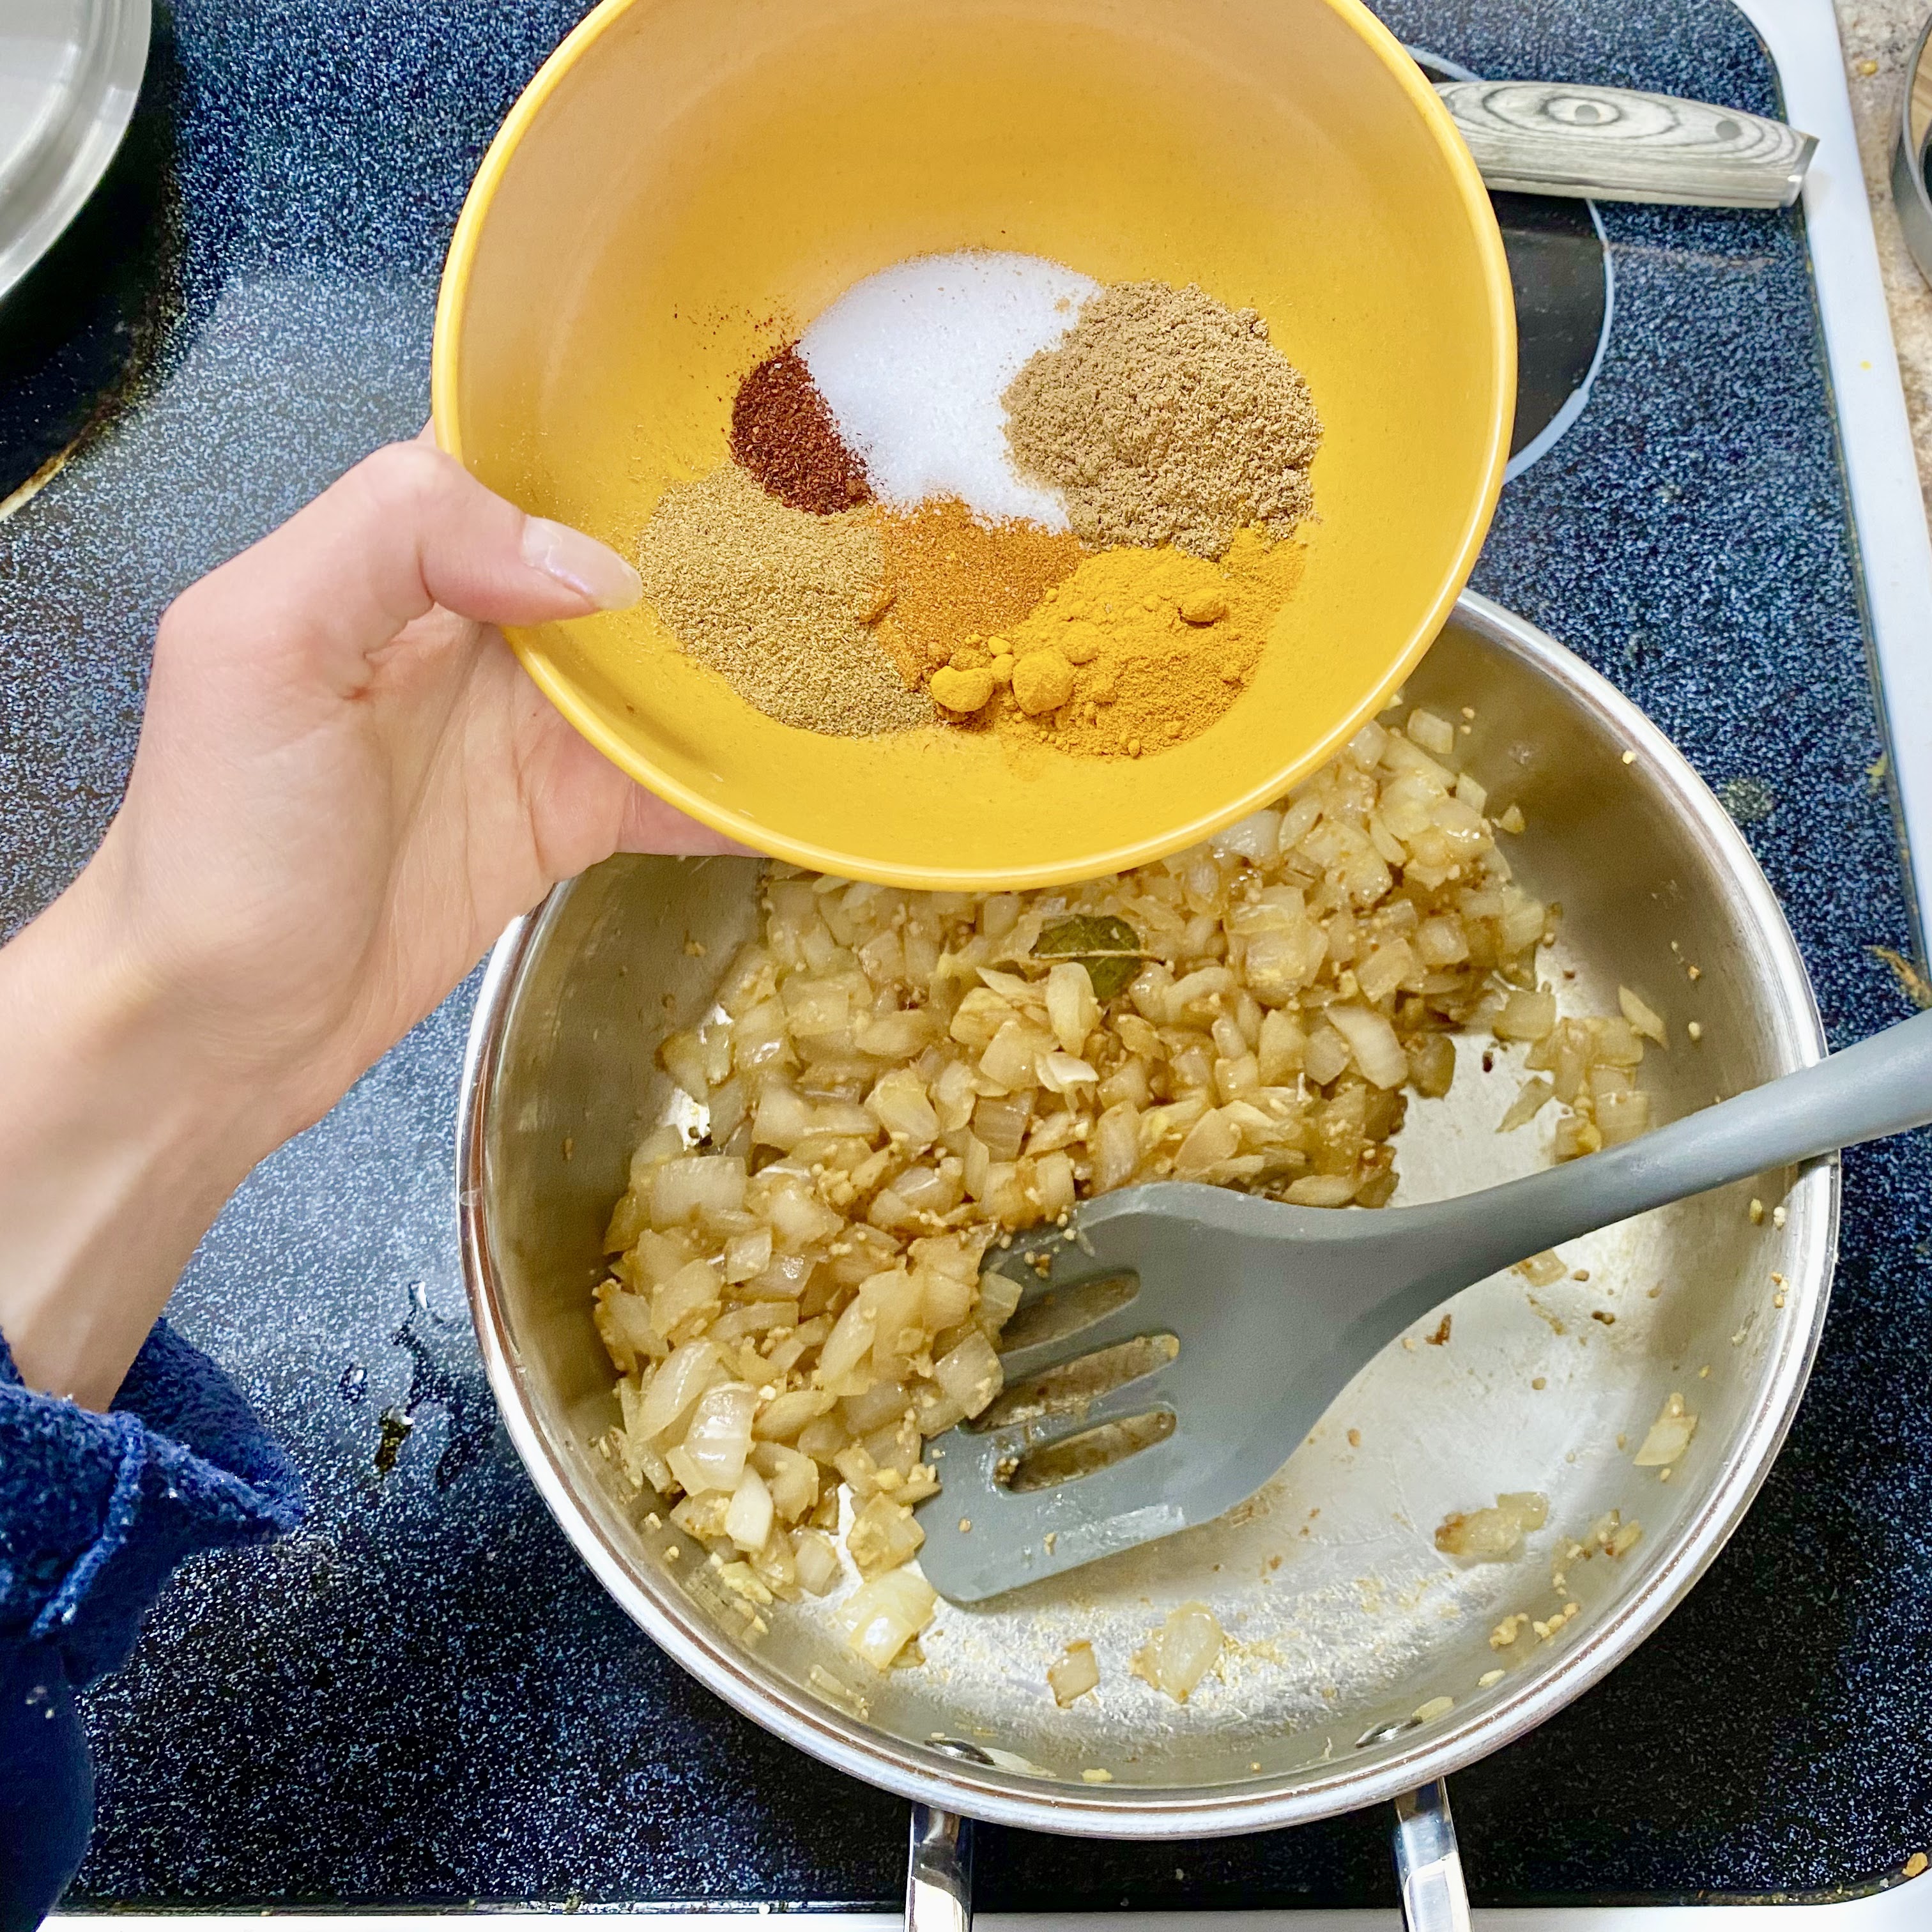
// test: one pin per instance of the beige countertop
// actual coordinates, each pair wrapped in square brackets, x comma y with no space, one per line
[1878,37]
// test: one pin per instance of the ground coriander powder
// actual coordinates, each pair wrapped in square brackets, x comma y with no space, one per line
[781,602]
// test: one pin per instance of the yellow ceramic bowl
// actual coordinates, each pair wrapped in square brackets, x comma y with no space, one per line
[683,172]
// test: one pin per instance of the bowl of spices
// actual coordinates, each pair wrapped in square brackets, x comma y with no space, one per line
[1044,435]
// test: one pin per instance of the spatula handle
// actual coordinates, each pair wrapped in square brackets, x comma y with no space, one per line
[1882,1086]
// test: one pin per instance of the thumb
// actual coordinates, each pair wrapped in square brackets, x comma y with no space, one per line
[406,529]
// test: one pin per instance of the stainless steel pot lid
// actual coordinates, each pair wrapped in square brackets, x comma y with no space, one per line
[70,71]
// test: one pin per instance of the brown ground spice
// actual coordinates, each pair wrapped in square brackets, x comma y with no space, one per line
[954,580]
[780,601]
[783,433]
[1162,418]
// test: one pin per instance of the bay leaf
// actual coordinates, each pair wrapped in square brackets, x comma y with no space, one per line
[1109,948]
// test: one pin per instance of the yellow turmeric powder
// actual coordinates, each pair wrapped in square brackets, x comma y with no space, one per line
[1136,651]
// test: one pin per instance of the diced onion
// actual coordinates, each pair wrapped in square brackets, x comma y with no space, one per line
[624,1321]
[925,1190]
[1072,1010]
[1442,941]
[893,1036]
[1643,1019]
[694,1288]
[1522,920]
[890,1081]
[1327,1054]
[1493,1535]
[1530,1508]
[1436,736]
[999,1296]
[1322,1190]
[658,1256]
[748,1522]
[679,1380]
[798,1216]
[1385,970]
[1256,837]
[899,1103]
[705,1183]
[849,1343]
[1177,1657]
[1011,1057]
[1116,1147]
[953,1095]
[719,1437]
[1213,1139]
[1532,1097]
[1075,1673]
[1283,1047]
[884,1401]
[883,1535]
[1372,1040]
[1053,1184]
[1001,1123]
[1432,1064]
[945,1300]
[1540,1269]
[781,1419]
[1622,1117]
[971,1373]
[817,1559]
[781,1118]
[1615,1042]
[1669,1436]
[1365,748]
[1061,1073]
[791,1477]
[882,1617]
[1208,983]
[747,1255]
[683,1056]
[815,1007]
[1526,1016]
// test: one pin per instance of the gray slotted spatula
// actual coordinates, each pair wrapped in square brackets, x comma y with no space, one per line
[1275,1308]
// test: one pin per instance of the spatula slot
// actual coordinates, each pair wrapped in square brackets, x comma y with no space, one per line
[1070,1388]
[1092,1450]
[1063,1311]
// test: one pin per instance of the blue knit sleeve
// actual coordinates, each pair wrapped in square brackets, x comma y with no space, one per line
[95,1511]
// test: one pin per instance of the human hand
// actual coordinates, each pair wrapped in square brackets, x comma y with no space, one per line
[345,786]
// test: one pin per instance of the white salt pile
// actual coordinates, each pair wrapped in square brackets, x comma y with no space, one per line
[913,362]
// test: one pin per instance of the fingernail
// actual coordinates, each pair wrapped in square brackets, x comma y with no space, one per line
[591,569]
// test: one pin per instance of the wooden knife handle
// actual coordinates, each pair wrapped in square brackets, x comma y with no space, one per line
[1547,137]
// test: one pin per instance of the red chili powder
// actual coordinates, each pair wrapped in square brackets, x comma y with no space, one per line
[782,432]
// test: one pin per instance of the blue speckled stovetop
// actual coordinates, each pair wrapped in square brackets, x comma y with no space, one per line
[424,1697]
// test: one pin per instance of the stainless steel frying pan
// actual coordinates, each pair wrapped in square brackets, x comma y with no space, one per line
[1364,1665]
